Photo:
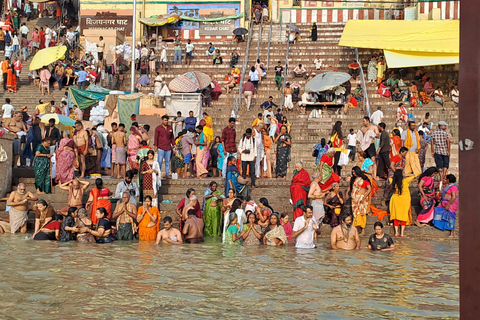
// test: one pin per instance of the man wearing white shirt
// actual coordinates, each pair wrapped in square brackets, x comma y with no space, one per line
[163,58]
[377,116]
[304,229]
[189,47]
[352,144]
[7,109]
[257,130]
[24,30]
[48,36]
[248,154]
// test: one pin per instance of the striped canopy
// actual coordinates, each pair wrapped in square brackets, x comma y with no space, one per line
[193,81]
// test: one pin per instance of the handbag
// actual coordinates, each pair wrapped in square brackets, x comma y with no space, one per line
[315,153]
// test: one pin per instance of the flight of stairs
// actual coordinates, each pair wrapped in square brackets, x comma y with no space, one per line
[305,132]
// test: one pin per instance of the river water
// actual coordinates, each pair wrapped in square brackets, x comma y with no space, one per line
[48,280]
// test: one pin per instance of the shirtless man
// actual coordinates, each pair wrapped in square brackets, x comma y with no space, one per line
[366,137]
[192,202]
[125,213]
[18,202]
[193,228]
[81,140]
[287,92]
[75,189]
[113,146]
[317,196]
[16,127]
[144,130]
[119,139]
[169,234]
[345,236]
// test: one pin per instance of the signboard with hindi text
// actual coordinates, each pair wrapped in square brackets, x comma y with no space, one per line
[108,21]
[216,28]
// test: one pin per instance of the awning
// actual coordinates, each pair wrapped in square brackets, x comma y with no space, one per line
[158,21]
[406,43]
[403,59]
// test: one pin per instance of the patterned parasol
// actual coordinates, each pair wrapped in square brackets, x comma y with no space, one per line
[190,82]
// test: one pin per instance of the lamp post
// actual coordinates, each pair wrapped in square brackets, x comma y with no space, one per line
[134,31]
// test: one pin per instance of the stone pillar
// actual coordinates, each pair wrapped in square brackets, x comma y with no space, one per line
[469,122]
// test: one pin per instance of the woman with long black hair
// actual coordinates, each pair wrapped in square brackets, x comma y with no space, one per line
[336,138]
[400,203]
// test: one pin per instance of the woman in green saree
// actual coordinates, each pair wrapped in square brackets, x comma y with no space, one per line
[233,236]
[41,167]
[212,214]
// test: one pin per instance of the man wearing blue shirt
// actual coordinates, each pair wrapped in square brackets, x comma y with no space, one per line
[82,78]
[191,121]
[268,103]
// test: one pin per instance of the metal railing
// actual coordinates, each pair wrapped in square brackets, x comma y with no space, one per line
[364,86]
[286,70]
[259,40]
[238,98]
[269,41]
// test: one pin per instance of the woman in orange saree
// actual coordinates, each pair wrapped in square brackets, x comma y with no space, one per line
[11,80]
[148,219]
[98,198]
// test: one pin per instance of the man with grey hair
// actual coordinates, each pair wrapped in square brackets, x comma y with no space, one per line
[316,195]
[18,202]
[257,134]
[125,213]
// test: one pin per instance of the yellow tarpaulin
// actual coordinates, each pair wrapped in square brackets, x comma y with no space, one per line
[406,43]
[403,59]
[403,35]
[46,56]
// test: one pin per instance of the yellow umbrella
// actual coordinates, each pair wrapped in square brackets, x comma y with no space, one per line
[46,56]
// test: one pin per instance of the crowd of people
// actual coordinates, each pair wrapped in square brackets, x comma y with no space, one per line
[396,158]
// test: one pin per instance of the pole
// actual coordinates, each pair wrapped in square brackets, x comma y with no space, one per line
[469,153]
[134,32]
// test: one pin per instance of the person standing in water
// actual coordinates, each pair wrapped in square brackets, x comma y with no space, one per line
[345,236]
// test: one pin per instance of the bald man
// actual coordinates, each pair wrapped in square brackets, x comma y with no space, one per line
[18,202]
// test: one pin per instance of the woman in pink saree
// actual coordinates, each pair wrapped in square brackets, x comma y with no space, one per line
[132,147]
[64,158]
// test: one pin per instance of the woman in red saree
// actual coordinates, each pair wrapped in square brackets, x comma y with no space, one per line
[402,113]
[64,158]
[133,146]
[299,189]
[98,198]
[328,176]
[42,38]
[11,80]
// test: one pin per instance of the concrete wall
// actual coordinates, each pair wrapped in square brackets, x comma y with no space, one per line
[6,167]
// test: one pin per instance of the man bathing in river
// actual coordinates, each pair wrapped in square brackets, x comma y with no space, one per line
[18,202]
[345,236]
[75,190]
[125,213]
[169,234]
[193,228]
[81,141]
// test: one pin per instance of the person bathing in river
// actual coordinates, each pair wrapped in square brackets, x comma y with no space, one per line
[169,234]
[345,236]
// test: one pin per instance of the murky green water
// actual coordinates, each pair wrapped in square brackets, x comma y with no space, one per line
[46,280]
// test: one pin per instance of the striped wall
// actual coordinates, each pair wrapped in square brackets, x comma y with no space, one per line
[450,10]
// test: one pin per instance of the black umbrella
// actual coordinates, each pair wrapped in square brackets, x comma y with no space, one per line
[294,28]
[240,31]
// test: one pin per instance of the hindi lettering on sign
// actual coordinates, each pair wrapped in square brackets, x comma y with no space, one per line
[108,21]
